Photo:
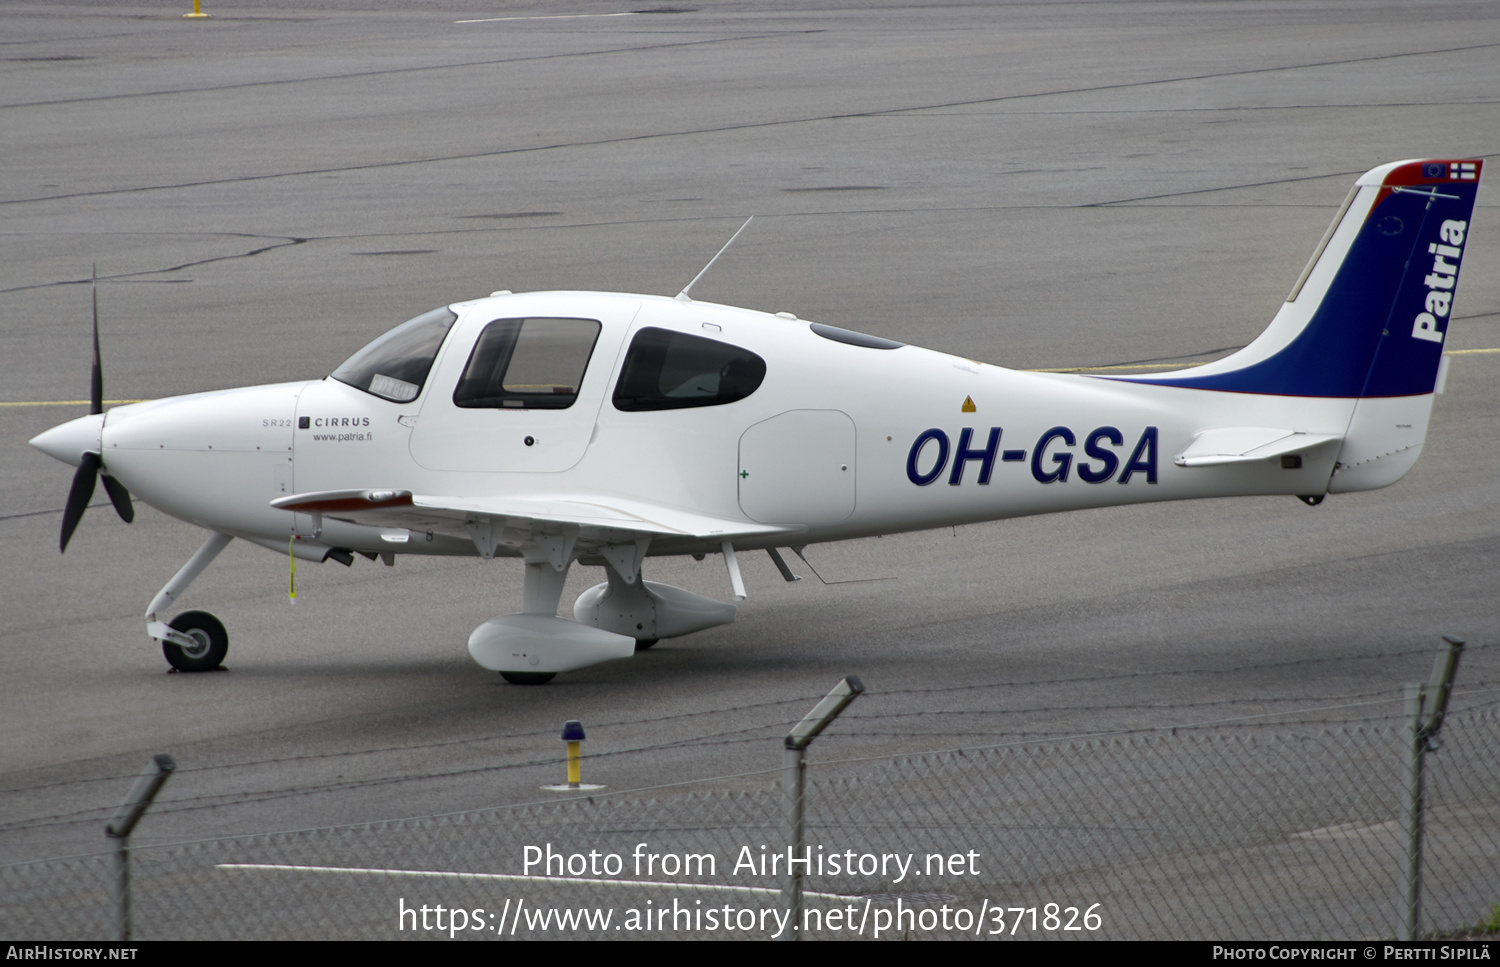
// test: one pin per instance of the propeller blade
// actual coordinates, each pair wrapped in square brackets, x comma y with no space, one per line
[120,497]
[79,496]
[96,380]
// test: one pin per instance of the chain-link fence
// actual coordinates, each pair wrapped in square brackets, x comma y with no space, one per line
[1216,833]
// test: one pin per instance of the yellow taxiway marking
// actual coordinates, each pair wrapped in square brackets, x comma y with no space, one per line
[1059,369]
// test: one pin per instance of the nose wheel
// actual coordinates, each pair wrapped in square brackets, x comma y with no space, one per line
[209,642]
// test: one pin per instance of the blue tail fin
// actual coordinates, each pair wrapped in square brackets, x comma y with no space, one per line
[1369,315]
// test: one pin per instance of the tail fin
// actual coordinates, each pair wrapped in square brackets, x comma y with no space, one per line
[1368,315]
[1367,319]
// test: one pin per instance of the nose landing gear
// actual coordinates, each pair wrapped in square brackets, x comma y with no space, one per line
[194,641]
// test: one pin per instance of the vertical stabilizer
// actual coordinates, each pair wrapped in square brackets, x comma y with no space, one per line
[1367,319]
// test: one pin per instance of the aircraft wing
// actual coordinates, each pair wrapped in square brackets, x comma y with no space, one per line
[509,521]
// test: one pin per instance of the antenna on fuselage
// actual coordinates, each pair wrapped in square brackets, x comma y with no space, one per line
[683,295]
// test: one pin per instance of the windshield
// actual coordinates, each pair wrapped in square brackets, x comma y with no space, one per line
[395,366]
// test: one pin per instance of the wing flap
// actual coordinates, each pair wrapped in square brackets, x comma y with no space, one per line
[599,520]
[1245,444]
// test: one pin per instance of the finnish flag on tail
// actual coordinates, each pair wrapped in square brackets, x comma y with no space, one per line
[1452,170]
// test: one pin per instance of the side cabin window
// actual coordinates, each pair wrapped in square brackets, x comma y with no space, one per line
[527,364]
[667,370]
[395,366]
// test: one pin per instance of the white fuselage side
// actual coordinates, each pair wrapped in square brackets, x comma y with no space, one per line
[839,441]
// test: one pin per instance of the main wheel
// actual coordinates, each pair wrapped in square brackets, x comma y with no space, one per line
[210,642]
[528,678]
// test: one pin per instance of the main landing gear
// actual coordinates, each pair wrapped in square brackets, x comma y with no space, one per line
[616,619]
[532,646]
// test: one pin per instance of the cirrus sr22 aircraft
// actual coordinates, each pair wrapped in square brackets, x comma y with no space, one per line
[603,429]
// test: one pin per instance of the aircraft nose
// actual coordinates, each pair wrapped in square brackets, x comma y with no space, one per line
[69,441]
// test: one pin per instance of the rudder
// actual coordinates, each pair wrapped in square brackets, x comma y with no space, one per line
[1389,424]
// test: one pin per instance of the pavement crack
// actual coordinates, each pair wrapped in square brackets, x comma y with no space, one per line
[285,241]
[1215,75]
[363,75]
[760,125]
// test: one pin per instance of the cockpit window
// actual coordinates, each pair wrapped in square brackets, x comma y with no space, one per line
[667,370]
[395,366]
[527,363]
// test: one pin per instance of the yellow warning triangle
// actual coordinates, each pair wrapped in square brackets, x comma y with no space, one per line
[968,406]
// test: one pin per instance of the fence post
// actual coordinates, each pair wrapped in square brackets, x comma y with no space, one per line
[793,777]
[147,785]
[793,781]
[1411,894]
[1426,705]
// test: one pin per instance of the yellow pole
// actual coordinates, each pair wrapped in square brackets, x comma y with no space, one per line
[196,12]
[572,734]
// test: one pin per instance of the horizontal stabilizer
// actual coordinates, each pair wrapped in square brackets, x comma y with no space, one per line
[1243,444]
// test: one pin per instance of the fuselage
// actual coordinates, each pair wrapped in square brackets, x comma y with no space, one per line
[838,440]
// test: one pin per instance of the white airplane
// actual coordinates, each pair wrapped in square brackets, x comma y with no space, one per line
[603,429]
